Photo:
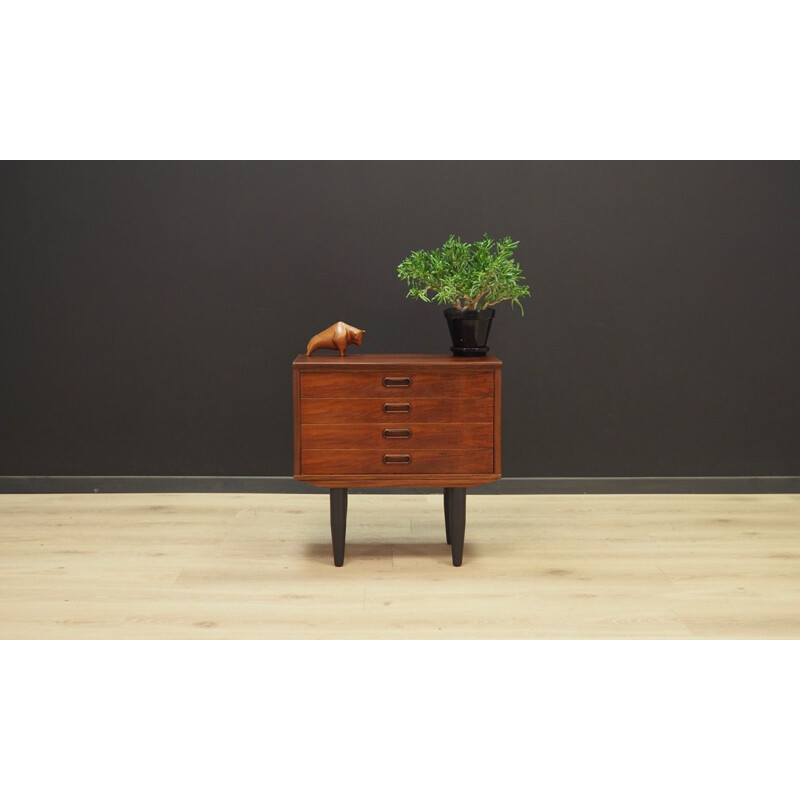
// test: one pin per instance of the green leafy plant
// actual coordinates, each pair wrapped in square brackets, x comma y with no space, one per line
[468,276]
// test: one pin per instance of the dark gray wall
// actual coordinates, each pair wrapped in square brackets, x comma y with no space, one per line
[149,312]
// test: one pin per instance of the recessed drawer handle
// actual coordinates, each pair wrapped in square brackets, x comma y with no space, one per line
[397,408]
[397,381]
[397,459]
[396,433]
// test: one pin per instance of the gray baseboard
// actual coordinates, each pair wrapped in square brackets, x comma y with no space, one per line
[170,483]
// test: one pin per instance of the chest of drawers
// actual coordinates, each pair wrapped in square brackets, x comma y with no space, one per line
[397,421]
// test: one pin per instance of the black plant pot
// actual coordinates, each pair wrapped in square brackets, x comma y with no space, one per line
[469,330]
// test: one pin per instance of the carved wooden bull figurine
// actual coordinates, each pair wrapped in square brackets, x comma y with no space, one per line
[337,337]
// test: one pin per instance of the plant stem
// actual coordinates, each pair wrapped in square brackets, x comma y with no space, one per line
[474,303]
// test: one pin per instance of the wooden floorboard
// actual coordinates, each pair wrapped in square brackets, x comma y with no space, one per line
[248,566]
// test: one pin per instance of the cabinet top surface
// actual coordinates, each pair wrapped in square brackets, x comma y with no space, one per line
[396,359]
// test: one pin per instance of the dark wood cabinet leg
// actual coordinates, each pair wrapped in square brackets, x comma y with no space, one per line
[447,514]
[457,523]
[338,523]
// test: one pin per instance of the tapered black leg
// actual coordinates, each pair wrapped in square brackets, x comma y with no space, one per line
[338,523]
[447,514]
[457,523]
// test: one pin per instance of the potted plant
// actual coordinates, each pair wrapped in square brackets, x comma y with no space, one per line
[471,278]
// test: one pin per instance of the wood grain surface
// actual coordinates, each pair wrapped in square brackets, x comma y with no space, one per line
[425,436]
[344,418]
[472,383]
[226,566]
[437,361]
[421,409]
[374,462]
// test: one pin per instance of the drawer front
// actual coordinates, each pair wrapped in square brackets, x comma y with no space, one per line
[396,461]
[422,436]
[399,383]
[396,413]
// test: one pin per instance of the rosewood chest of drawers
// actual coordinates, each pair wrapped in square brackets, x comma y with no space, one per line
[397,421]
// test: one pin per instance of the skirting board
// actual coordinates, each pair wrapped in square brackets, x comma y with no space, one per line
[88,484]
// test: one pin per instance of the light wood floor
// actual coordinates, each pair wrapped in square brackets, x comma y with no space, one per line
[224,566]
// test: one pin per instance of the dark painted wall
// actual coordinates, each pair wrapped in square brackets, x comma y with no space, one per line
[149,312]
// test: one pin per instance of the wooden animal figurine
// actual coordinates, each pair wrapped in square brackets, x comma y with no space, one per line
[337,337]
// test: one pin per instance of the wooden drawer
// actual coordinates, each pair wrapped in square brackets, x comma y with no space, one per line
[396,413]
[399,383]
[401,461]
[422,436]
